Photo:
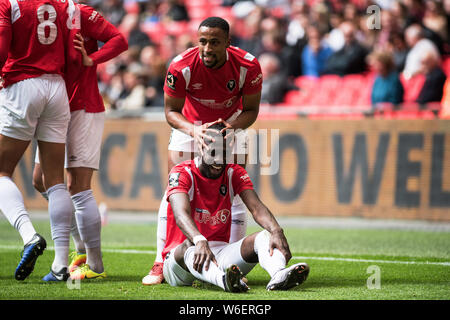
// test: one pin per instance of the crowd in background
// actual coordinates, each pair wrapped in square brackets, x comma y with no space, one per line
[291,38]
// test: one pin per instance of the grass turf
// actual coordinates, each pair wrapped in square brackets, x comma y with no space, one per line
[333,279]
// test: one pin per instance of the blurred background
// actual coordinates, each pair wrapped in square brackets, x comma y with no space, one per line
[356,90]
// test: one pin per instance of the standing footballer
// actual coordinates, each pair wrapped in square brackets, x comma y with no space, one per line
[211,81]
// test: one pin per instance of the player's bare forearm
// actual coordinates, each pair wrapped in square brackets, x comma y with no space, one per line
[250,110]
[173,108]
[182,212]
[260,212]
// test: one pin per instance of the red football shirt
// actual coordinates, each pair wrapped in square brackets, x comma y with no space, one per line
[210,199]
[212,93]
[83,89]
[39,31]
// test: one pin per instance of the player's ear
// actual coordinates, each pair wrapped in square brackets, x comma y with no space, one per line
[228,42]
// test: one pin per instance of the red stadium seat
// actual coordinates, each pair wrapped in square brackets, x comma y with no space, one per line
[446,65]
[412,87]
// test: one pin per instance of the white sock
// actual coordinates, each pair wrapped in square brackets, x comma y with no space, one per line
[238,220]
[12,206]
[273,263]
[79,244]
[88,218]
[60,210]
[161,231]
[214,275]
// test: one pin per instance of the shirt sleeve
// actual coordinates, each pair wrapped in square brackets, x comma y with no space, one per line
[94,26]
[175,85]
[5,32]
[254,79]
[179,181]
[241,180]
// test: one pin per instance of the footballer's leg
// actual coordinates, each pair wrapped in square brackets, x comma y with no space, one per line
[59,206]
[78,257]
[255,248]
[12,205]
[155,275]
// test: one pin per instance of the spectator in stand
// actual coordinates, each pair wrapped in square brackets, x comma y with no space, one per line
[351,58]
[419,45]
[399,49]
[432,90]
[387,87]
[315,54]
[154,71]
[113,11]
[176,11]
[132,95]
[435,19]
[136,37]
[275,83]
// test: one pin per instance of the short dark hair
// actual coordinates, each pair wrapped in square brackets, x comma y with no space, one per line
[216,22]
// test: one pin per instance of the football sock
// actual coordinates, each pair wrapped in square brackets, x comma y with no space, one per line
[79,245]
[273,263]
[89,225]
[88,218]
[161,229]
[214,275]
[60,210]
[12,206]
[238,220]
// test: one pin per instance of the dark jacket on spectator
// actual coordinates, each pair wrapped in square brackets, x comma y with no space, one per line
[433,87]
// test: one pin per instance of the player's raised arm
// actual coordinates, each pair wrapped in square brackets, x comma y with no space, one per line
[265,219]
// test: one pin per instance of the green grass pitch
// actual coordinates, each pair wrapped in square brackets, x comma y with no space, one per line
[411,265]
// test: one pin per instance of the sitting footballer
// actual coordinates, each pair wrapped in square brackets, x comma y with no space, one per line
[200,194]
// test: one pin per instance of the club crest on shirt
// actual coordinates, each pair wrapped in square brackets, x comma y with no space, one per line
[223,189]
[174,179]
[171,79]
[231,84]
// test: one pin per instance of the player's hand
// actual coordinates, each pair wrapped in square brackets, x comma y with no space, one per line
[203,256]
[230,132]
[79,45]
[1,83]
[279,241]
[201,133]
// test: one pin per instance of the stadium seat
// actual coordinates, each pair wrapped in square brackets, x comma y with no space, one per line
[412,87]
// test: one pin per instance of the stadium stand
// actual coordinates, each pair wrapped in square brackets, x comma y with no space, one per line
[257,26]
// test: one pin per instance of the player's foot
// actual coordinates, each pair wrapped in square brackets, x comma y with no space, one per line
[155,276]
[77,259]
[85,272]
[31,251]
[233,280]
[61,275]
[289,277]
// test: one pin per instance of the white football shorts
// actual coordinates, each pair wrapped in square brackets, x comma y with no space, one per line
[226,254]
[35,108]
[180,141]
[84,139]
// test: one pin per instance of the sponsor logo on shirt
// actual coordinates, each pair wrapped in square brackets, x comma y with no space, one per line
[245,177]
[204,216]
[94,16]
[257,80]
[197,86]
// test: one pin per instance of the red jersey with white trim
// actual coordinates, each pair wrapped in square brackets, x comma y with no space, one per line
[210,199]
[82,89]
[39,33]
[212,93]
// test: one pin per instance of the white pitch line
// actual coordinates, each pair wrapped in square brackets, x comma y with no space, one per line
[133,251]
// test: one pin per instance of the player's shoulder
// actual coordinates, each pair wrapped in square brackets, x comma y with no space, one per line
[184,166]
[186,58]
[237,171]
[244,57]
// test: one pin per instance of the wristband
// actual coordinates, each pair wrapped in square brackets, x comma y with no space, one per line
[198,238]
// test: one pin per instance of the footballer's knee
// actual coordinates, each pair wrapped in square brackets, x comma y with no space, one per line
[248,249]
[180,251]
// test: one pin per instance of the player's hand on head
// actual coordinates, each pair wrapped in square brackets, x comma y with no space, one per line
[202,132]
[279,241]
[203,256]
